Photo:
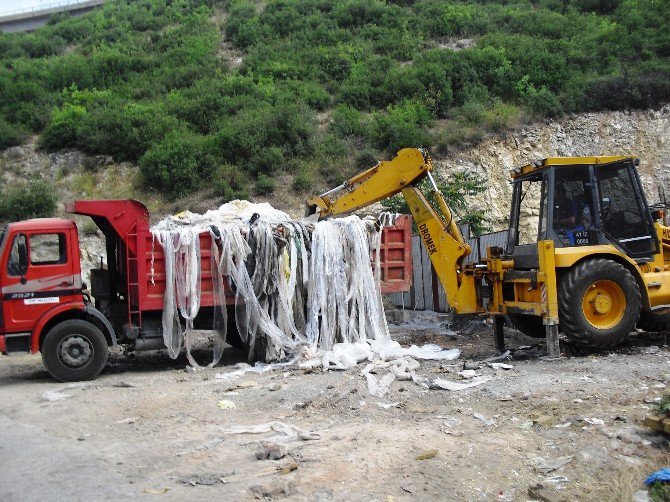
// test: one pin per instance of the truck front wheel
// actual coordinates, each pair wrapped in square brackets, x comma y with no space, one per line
[74,350]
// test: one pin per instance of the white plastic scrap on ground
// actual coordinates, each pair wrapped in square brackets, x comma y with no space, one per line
[306,293]
[287,432]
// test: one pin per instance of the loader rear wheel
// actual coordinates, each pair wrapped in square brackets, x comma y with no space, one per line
[654,321]
[599,303]
[529,325]
[74,350]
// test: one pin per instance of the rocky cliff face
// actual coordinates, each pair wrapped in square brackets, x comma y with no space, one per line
[642,133]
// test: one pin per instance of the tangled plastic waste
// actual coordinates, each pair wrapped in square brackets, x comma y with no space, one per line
[300,286]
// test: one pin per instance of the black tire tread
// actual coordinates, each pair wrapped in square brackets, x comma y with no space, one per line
[569,310]
[654,322]
[50,356]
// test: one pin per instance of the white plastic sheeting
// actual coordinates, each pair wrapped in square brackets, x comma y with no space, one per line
[287,432]
[301,287]
[305,294]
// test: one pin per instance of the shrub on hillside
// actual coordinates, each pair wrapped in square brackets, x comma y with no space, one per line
[302,181]
[35,199]
[230,183]
[348,121]
[65,128]
[265,185]
[366,158]
[126,130]
[10,134]
[258,138]
[403,125]
[178,164]
[542,101]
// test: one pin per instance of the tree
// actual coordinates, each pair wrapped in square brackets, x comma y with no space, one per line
[36,199]
[458,189]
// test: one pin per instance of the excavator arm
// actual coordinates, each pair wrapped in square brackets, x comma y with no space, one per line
[439,231]
[384,180]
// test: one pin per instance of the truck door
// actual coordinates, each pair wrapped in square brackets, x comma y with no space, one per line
[38,274]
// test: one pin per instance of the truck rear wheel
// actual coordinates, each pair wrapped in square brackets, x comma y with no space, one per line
[654,321]
[599,303]
[529,325]
[74,350]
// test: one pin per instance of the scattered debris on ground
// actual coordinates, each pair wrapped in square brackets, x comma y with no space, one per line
[573,426]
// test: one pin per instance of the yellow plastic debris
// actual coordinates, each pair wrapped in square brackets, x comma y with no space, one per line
[227,405]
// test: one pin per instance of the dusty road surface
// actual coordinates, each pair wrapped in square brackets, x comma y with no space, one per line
[149,429]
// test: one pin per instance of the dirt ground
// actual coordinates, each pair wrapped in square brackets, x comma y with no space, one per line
[147,428]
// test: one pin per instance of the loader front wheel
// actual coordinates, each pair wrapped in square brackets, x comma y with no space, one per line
[599,303]
[655,321]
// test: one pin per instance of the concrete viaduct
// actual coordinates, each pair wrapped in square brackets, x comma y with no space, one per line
[31,19]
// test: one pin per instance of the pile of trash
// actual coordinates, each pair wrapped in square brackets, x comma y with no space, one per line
[301,286]
[306,293]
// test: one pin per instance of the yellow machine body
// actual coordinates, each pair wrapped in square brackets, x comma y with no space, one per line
[495,285]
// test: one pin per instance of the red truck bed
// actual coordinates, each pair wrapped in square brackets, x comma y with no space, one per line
[142,263]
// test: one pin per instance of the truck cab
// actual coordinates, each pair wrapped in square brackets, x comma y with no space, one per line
[41,288]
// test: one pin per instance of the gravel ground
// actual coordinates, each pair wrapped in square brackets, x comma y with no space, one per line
[149,429]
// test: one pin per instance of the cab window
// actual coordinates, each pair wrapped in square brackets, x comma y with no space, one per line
[18,246]
[625,219]
[47,249]
[530,211]
[573,204]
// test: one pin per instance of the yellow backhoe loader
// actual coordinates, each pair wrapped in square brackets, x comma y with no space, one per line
[585,255]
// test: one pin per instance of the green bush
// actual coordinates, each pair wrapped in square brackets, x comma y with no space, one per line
[65,128]
[541,101]
[267,160]
[126,130]
[366,158]
[348,121]
[243,26]
[259,138]
[230,183]
[10,134]
[329,146]
[35,199]
[401,126]
[265,185]
[302,181]
[178,164]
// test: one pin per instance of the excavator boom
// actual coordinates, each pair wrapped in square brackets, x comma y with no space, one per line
[439,231]
[385,179]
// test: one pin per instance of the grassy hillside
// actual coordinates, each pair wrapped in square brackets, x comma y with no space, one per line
[229,94]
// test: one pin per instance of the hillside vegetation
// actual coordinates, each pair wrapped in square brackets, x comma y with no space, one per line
[228,94]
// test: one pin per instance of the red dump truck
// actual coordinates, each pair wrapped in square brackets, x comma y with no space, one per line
[47,307]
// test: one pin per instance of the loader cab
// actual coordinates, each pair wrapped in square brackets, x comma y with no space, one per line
[577,202]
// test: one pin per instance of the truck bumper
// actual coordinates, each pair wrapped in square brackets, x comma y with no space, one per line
[3,348]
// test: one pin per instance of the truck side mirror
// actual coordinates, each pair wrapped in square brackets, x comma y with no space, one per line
[23,258]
